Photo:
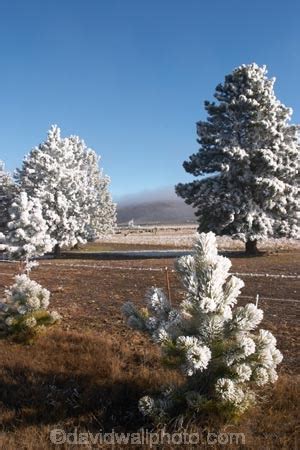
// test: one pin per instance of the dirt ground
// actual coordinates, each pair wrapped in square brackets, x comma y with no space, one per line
[89,295]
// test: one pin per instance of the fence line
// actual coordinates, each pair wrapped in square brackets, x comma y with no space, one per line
[266,275]
[252,297]
[95,266]
[161,269]
[271,298]
[166,270]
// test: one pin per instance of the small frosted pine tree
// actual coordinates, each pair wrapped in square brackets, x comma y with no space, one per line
[99,204]
[248,162]
[2,242]
[8,190]
[27,232]
[207,337]
[24,310]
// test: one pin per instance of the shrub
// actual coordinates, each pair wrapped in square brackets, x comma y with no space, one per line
[207,337]
[25,308]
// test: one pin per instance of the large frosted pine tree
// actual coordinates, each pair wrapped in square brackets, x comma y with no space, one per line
[247,162]
[58,173]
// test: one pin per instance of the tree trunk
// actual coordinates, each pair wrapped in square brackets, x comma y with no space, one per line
[57,251]
[251,248]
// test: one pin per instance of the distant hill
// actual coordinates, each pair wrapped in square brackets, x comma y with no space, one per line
[157,207]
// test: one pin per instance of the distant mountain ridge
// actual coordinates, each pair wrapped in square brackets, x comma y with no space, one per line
[167,208]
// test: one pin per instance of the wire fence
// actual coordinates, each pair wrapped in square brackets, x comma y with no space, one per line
[156,269]
[162,269]
[167,271]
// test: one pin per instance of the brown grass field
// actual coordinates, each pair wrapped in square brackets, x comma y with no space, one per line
[89,371]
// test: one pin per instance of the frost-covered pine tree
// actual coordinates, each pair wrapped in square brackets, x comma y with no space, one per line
[25,309]
[249,159]
[101,209]
[27,233]
[58,174]
[8,190]
[104,218]
[210,339]
[3,245]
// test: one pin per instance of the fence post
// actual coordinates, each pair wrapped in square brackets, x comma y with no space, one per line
[168,285]
[257,298]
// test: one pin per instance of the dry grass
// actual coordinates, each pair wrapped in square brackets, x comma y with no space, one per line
[73,379]
[89,372]
[92,382]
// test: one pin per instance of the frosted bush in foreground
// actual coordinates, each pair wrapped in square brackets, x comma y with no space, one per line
[25,307]
[209,338]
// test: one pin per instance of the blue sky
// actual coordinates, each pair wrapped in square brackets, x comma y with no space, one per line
[130,76]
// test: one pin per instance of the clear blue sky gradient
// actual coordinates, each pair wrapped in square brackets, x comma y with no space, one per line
[130,76]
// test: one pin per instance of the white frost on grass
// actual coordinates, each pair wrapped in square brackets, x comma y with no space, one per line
[183,237]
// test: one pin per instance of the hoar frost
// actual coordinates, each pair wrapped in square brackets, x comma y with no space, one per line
[63,174]
[27,234]
[249,155]
[208,338]
[8,190]
[25,306]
